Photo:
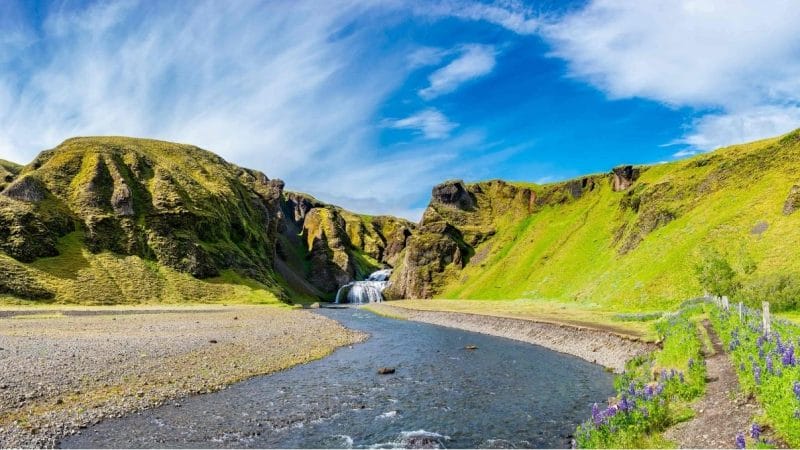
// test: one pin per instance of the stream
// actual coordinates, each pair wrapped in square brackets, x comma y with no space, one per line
[503,394]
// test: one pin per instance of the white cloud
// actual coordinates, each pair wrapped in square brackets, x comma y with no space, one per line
[510,14]
[474,62]
[430,122]
[291,88]
[718,130]
[737,57]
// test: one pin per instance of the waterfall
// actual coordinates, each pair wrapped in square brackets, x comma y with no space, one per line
[367,291]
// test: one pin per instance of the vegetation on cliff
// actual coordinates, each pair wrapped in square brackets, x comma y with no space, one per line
[628,240]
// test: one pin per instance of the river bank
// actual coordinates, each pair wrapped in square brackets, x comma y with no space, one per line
[61,371]
[601,346]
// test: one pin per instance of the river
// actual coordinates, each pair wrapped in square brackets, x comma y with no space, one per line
[503,394]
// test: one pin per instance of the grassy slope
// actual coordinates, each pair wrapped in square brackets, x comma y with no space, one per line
[80,277]
[567,252]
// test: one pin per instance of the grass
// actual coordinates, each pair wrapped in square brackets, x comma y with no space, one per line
[77,276]
[600,249]
[767,368]
[643,408]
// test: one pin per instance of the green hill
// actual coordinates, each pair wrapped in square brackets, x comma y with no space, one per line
[121,220]
[628,240]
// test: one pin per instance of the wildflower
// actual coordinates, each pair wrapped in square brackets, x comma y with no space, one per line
[648,392]
[755,431]
[624,405]
[740,443]
[597,417]
[664,374]
[796,389]
[769,365]
[788,356]
[632,388]
[757,374]
[797,413]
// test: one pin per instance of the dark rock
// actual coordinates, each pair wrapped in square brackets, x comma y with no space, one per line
[792,202]
[213,341]
[26,189]
[453,193]
[623,177]
[386,370]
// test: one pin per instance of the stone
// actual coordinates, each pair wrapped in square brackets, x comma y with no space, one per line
[623,177]
[453,193]
[386,370]
[792,202]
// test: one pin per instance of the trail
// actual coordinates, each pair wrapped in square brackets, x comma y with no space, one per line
[722,412]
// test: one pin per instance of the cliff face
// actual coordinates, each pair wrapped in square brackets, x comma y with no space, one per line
[630,237]
[330,246]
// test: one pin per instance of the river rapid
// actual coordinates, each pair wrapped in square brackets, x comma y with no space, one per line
[502,394]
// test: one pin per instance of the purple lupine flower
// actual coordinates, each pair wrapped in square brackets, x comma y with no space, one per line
[664,374]
[757,374]
[761,353]
[632,388]
[755,431]
[788,356]
[659,389]
[796,389]
[648,392]
[739,441]
[623,404]
[597,417]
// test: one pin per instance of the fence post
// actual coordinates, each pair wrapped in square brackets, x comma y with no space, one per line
[765,317]
[725,303]
[741,312]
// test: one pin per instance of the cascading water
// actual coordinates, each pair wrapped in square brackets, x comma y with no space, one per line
[367,291]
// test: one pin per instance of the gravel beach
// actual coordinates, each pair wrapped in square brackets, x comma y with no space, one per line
[599,346]
[63,370]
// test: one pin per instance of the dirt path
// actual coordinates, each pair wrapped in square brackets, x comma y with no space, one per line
[723,411]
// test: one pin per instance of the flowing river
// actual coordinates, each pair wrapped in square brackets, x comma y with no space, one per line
[504,394]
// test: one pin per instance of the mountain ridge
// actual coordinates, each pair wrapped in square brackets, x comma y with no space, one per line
[187,220]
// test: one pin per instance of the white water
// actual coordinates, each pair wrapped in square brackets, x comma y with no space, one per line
[367,291]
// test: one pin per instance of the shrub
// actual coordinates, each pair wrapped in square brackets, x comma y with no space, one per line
[781,290]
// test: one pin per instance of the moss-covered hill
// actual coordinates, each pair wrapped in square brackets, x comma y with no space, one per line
[628,239]
[115,220]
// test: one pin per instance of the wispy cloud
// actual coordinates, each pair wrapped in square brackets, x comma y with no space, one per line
[736,57]
[430,122]
[474,62]
[513,15]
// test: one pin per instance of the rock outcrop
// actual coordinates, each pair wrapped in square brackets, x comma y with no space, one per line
[792,202]
[623,177]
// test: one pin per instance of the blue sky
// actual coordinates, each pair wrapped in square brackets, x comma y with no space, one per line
[369,104]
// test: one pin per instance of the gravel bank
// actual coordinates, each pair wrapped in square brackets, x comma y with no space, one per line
[60,373]
[595,345]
